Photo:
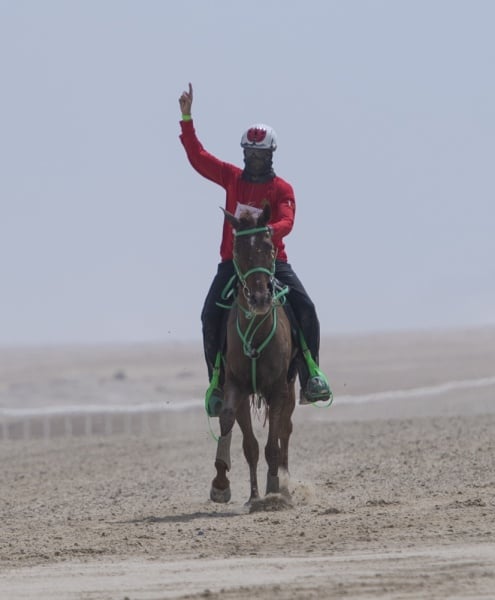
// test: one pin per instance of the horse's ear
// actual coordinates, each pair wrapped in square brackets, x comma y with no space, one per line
[234,221]
[265,216]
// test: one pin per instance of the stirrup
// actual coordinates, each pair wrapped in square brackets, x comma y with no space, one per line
[214,393]
[213,400]
[317,389]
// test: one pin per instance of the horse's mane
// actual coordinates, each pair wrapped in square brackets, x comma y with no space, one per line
[247,219]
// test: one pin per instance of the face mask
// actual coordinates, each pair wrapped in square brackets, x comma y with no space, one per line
[258,165]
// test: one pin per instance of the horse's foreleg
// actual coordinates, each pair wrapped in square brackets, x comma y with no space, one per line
[220,486]
[272,451]
[284,436]
[250,447]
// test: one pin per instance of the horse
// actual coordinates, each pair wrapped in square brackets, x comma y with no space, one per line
[259,360]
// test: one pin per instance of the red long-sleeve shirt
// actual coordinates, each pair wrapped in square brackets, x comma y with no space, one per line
[278,192]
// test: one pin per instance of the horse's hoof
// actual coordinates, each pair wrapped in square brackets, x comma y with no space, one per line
[221,496]
[284,492]
[272,484]
[251,500]
[269,503]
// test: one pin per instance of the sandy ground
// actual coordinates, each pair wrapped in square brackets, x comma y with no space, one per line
[393,487]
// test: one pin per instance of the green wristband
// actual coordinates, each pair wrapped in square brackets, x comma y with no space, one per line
[186,117]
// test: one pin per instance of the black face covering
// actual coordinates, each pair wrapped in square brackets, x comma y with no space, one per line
[258,165]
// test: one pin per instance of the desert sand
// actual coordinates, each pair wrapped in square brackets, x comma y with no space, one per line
[106,459]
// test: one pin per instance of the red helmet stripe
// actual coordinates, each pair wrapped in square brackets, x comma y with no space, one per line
[255,135]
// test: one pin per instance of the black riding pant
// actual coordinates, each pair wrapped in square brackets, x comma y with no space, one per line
[302,306]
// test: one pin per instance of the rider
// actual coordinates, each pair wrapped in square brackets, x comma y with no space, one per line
[253,186]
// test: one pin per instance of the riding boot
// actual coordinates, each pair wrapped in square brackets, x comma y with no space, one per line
[212,319]
[213,357]
[314,384]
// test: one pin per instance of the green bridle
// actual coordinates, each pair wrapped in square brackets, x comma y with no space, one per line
[243,276]
[278,298]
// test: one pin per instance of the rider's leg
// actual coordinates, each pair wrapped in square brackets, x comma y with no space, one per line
[212,317]
[314,384]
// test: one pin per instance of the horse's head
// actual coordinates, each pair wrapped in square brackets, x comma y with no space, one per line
[254,258]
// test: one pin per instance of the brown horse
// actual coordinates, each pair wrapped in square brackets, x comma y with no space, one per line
[258,359]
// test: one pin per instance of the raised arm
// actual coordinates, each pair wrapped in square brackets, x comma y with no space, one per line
[205,163]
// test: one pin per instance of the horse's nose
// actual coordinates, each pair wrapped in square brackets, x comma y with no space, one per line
[260,299]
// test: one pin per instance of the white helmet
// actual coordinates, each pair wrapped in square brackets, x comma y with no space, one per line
[259,136]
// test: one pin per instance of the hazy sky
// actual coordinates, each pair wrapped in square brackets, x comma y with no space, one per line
[385,114]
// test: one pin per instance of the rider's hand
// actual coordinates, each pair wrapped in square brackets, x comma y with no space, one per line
[185,101]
